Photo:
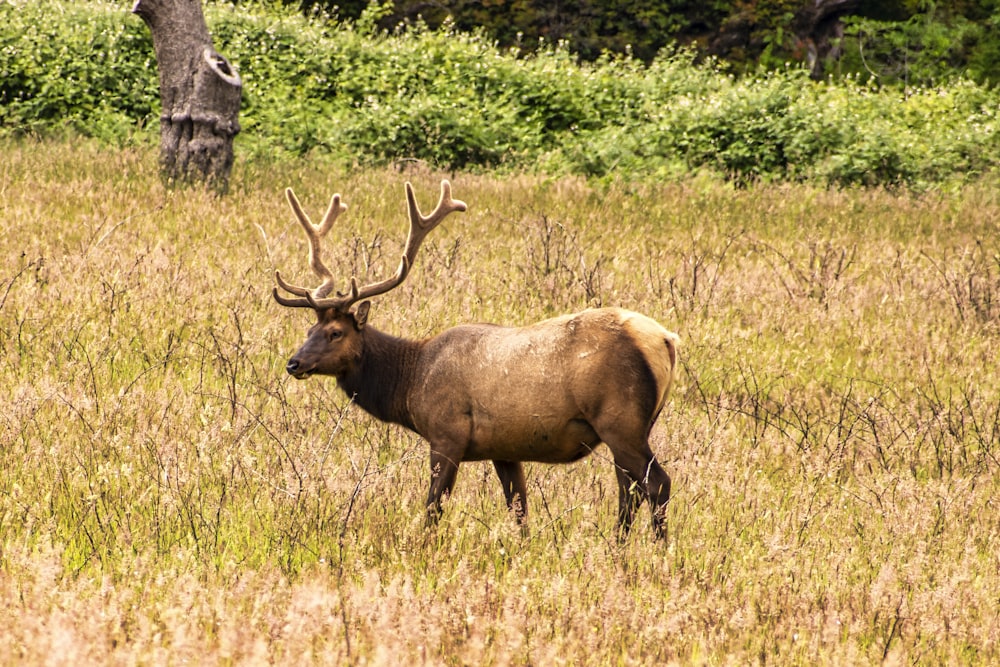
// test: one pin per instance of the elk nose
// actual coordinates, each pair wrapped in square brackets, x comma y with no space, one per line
[292,366]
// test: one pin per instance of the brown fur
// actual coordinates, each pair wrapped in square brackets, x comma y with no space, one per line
[549,392]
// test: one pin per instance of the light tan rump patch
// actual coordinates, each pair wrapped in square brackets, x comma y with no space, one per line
[658,346]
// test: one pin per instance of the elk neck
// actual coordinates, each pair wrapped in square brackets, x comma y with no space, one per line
[380,383]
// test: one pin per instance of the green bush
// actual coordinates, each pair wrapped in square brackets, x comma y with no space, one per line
[84,67]
[457,101]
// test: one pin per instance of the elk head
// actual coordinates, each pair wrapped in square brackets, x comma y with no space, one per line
[335,344]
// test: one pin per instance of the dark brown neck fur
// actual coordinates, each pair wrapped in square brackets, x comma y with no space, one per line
[381,381]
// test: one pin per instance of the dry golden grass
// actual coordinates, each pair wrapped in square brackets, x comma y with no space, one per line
[169,495]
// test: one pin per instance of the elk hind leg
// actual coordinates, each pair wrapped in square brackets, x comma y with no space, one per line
[444,471]
[640,475]
[515,489]
[629,499]
[658,490]
[637,471]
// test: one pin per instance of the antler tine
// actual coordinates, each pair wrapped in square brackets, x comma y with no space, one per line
[426,223]
[314,233]
[421,225]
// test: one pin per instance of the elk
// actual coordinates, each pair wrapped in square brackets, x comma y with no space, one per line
[548,392]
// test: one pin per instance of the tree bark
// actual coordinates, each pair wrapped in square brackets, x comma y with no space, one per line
[200,92]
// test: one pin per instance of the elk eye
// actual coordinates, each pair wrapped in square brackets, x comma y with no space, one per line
[336,334]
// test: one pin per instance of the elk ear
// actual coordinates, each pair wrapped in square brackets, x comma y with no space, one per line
[361,315]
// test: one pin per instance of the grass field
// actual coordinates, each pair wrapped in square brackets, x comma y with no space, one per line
[169,495]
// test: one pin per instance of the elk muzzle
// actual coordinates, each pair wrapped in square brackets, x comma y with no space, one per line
[296,370]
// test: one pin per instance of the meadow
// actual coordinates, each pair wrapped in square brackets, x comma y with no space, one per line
[169,495]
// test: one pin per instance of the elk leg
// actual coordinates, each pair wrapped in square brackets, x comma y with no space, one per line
[652,481]
[444,470]
[629,498]
[658,489]
[511,474]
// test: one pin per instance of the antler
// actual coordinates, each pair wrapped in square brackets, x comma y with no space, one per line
[314,233]
[420,227]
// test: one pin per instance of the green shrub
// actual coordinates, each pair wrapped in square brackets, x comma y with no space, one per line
[457,101]
[84,67]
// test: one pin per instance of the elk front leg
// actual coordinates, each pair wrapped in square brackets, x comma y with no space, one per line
[515,490]
[444,470]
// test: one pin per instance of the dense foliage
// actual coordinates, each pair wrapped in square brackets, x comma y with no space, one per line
[922,50]
[914,40]
[458,101]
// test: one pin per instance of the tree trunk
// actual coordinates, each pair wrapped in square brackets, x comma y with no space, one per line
[200,92]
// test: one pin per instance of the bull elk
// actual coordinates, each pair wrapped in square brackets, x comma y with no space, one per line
[548,392]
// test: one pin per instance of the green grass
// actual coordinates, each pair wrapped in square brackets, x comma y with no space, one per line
[169,494]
